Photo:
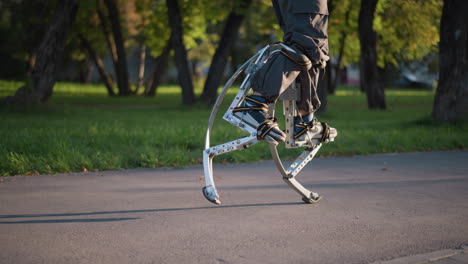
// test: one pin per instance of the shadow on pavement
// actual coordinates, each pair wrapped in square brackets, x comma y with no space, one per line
[339,184]
[54,221]
[123,212]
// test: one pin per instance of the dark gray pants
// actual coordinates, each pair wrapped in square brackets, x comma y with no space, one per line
[304,23]
[279,73]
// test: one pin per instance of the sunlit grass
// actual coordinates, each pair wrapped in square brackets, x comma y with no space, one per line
[81,127]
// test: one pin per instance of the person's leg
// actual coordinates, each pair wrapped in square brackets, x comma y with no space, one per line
[309,102]
[304,24]
[254,112]
[309,31]
[307,26]
[275,77]
[307,126]
[267,84]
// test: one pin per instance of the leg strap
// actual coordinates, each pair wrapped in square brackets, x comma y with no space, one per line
[325,132]
[265,127]
[251,105]
[309,126]
[304,128]
[255,113]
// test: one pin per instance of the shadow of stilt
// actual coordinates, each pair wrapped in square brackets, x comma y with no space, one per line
[142,211]
[55,221]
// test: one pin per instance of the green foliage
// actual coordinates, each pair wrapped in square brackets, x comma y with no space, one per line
[261,22]
[156,31]
[196,17]
[22,24]
[343,23]
[203,21]
[88,24]
[408,29]
[194,22]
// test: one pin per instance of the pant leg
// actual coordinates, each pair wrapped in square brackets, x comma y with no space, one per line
[309,102]
[275,77]
[306,23]
[279,73]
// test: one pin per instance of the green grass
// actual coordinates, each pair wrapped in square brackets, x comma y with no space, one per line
[81,127]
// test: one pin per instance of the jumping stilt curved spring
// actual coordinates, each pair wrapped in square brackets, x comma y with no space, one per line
[289,110]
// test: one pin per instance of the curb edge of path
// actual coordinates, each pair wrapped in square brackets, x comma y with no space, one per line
[457,255]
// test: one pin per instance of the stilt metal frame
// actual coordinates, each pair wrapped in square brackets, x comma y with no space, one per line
[289,98]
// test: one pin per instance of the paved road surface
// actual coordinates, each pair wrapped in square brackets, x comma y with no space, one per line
[392,208]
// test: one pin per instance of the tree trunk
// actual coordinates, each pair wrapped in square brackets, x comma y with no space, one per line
[180,53]
[370,80]
[98,62]
[337,67]
[31,63]
[107,35]
[219,61]
[85,72]
[159,71]
[141,68]
[451,99]
[121,71]
[49,56]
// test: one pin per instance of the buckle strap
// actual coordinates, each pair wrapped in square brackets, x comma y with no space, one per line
[308,126]
[249,108]
[250,99]
[305,127]
[259,106]
[265,127]
[325,132]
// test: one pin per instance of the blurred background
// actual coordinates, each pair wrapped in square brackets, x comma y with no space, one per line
[106,84]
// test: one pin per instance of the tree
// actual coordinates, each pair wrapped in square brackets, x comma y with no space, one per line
[160,70]
[136,21]
[49,55]
[184,76]
[98,63]
[87,44]
[157,34]
[24,23]
[451,99]
[108,36]
[407,30]
[260,27]
[121,70]
[370,80]
[402,33]
[340,34]
[218,64]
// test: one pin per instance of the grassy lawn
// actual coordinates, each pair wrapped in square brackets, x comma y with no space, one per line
[81,128]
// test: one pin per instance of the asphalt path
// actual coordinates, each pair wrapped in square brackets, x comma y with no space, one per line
[375,208]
